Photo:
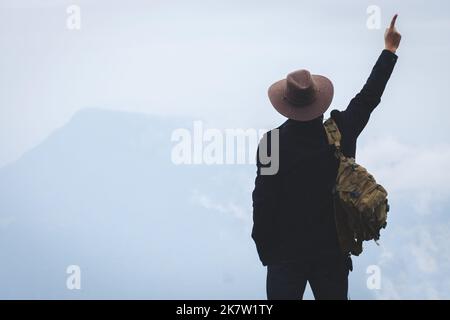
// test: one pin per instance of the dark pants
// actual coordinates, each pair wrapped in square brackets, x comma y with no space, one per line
[328,279]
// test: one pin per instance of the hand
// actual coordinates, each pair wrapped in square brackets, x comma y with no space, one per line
[392,37]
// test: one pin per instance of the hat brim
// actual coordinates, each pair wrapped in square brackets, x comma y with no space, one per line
[324,96]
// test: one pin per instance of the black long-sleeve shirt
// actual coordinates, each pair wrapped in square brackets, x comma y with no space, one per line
[293,210]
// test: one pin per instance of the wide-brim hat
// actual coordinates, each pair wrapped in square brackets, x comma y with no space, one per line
[302,96]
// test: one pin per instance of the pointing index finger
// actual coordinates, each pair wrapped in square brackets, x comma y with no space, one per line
[394,19]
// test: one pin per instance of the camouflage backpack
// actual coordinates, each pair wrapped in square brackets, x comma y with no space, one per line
[361,204]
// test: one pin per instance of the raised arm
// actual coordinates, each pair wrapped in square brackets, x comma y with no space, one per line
[357,114]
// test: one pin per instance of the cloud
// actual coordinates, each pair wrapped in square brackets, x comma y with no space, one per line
[415,256]
[415,261]
[225,207]
[425,251]
[420,173]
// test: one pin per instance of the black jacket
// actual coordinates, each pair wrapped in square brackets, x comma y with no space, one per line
[293,209]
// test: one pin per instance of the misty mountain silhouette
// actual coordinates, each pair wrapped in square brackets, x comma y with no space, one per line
[102,193]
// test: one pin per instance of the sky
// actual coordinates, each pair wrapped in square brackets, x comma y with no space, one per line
[213,61]
[210,60]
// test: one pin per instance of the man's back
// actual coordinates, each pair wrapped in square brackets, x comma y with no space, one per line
[293,210]
[306,178]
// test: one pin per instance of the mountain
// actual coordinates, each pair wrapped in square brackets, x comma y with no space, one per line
[102,193]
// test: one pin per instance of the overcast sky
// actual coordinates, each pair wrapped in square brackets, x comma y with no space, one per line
[212,60]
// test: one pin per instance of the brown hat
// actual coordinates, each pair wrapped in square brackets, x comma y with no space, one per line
[301,96]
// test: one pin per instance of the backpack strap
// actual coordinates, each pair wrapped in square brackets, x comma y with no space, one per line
[334,136]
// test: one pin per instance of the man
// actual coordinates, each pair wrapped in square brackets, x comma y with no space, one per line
[294,228]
